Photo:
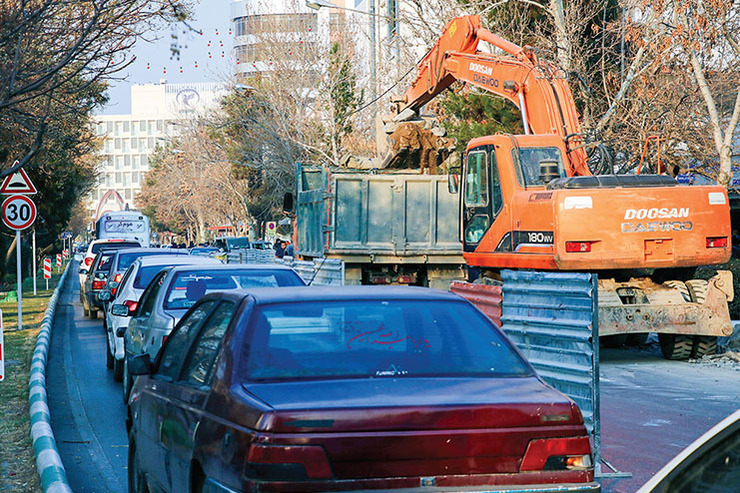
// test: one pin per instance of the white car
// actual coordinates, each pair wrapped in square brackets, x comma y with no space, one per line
[94,248]
[132,284]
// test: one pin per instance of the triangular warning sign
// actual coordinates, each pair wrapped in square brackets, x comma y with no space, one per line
[18,182]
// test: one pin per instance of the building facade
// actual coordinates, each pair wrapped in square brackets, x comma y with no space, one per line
[157,112]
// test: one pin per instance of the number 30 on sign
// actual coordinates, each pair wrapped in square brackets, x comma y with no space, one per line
[19,212]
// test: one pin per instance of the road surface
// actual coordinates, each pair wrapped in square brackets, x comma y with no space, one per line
[651,408]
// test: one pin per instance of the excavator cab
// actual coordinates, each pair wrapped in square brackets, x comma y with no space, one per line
[496,169]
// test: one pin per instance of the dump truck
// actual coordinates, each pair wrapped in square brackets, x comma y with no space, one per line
[534,201]
[389,226]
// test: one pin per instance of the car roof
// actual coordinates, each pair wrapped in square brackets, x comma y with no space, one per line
[171,251]
[241,267]
[166,259]
[343,293]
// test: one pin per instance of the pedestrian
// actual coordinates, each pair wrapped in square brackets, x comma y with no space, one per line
[289,250]
[279,249]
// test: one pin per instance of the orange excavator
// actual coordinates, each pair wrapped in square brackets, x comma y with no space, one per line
[532,202]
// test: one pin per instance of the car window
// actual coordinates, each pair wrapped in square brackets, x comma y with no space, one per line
[145,275]
[190,286]
[199,369]
[123,282]
[150,295]
[717,470]
[116,245]
[105,262]
[181,339]
[376,338]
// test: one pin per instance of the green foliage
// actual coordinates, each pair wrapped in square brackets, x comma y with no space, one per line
[474,114]
[343,91]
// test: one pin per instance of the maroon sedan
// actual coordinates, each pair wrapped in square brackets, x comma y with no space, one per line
[352,388]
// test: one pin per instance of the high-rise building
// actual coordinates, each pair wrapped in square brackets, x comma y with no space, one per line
[157,112]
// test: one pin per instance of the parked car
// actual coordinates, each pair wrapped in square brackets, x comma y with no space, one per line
[93,249]
[127,290]
[95,283]
[175,289]
[204,251]
[711,463]
[229,243]
[352,388]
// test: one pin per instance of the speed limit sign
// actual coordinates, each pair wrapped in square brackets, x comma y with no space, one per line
[19,212]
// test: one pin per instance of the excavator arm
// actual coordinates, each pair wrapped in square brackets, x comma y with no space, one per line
[539,90]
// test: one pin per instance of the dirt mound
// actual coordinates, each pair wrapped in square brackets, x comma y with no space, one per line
[416,147]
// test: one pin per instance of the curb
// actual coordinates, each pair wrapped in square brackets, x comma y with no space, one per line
[48,462]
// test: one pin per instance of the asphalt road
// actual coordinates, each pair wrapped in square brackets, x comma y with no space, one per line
[650,408]
[87,411]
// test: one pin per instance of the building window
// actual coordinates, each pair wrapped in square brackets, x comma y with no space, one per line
[160,126]
[118,128]
[109,127]
[126,179]
[125,145]
[128,194]
[127,161]
[150,143]
[119,162]
[118,178]
[108,145]
[126,127]
[152,127]
[134,143]
[118,144]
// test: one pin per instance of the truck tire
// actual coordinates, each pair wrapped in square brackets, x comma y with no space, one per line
[681,287]
[676,346]
[703,345]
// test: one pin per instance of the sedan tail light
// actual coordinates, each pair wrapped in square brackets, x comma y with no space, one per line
[88,261]
[557,454]
[98,284]
[131,304]
[272,462]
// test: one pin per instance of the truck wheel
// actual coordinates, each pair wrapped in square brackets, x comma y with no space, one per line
[703,345]
[676,346]
[681,287]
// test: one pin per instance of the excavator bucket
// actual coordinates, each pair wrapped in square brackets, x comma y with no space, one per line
[419,143]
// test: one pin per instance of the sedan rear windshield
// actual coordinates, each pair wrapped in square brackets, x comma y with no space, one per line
[189,287]
[115,245]
[145,275]
[375,339]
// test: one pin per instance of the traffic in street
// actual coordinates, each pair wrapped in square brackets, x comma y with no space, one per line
[651,408]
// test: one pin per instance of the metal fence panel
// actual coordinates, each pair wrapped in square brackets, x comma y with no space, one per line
[486,298]
[552,318]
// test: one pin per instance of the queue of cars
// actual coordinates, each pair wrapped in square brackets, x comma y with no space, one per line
[242,378]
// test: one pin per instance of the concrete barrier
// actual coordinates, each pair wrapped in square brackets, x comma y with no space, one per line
[48,462]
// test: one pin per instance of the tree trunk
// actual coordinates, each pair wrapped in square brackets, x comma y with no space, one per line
[564,48]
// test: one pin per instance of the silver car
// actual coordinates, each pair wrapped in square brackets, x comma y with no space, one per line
[127,289]
[175,289]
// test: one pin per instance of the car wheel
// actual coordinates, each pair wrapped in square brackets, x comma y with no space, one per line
[117,370]
[93,314]
[126,379]
[108,356]
[85,311]
[136,481]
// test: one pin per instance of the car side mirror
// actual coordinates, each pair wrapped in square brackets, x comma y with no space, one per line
[141,364]
[288,203]
[121,311]
[104,295]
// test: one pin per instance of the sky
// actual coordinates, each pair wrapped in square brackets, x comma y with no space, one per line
[200,58]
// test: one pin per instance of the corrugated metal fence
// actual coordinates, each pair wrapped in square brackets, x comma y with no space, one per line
[552,318]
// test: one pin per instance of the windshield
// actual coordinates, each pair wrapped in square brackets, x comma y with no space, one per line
[528,160]
[237,243]
[189,287]
[375,339]
[114,246]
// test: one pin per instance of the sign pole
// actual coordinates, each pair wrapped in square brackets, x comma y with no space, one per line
[34,260]
[20,278]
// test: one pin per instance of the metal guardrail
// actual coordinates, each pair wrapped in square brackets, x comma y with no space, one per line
[552,317]
[48,461]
